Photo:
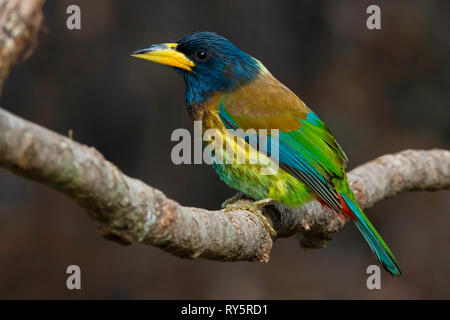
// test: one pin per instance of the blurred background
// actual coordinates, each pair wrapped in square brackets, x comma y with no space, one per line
[380,91]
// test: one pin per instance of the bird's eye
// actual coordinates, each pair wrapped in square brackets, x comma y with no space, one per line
[201,55]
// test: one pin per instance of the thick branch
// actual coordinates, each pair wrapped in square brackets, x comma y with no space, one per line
[20,21]
[127,210]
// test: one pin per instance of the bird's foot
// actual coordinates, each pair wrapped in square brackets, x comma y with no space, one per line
[253,206]
[238,196]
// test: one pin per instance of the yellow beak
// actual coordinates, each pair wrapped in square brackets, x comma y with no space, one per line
[165,53]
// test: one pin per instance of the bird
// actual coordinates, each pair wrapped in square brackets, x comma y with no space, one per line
[228,89]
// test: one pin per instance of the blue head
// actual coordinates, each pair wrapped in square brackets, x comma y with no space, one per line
[207,62]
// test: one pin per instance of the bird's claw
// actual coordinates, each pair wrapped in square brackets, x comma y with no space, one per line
[238,196]
[253,206]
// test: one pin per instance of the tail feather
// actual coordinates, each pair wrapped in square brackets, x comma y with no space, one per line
[376,243]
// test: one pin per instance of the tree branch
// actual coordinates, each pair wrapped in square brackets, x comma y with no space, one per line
[127,210]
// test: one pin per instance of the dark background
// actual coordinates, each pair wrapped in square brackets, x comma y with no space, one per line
[380,92]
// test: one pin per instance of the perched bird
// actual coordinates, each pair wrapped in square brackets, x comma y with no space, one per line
[228,89]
